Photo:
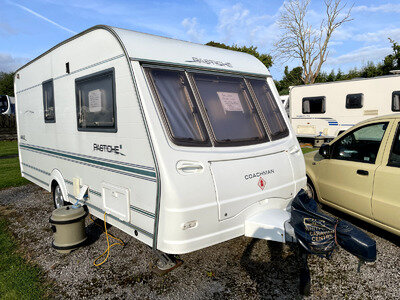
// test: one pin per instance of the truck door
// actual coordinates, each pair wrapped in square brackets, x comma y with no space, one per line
[386,200]
[347,178]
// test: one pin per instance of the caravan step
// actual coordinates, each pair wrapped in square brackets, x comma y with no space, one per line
[268,225]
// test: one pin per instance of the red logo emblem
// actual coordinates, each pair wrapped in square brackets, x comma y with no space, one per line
[261,183]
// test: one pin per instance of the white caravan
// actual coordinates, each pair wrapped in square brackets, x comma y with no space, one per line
[7,105]
[182,145]
[285,103]
[327,109]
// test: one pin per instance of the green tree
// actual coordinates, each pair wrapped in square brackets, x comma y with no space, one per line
[265,58]
[7,84]
[290,78]
[331,77]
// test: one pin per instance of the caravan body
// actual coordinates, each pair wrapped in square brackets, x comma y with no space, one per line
[285,103]
[182,145]
[7,105]
[327,109]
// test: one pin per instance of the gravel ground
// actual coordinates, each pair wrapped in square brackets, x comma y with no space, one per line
[242,268]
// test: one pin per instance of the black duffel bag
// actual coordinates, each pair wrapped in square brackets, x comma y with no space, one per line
[319,233]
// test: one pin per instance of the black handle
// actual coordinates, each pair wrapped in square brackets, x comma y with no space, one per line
[362,172]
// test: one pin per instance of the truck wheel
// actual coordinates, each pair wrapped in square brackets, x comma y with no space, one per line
[58,198]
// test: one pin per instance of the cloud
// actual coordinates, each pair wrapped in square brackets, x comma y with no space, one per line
[237,24]
[192,29]
[9,63]
[385,8]
[360,56]
[43,18]
[7,29]
[378,36]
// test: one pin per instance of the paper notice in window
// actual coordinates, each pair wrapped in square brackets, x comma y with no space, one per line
[95,100]
[230,101]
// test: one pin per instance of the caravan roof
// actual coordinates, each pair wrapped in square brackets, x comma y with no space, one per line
[152,48]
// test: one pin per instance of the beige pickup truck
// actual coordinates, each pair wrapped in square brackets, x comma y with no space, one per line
[359,172]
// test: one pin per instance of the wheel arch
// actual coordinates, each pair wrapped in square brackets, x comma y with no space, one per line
[57,178]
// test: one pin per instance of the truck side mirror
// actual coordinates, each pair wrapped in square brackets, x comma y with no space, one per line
[325,150]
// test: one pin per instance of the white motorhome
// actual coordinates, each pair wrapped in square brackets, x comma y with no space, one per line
[327,109]
[182,145]
[7,105]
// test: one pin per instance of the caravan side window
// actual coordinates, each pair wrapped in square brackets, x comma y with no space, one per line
[48,102]
[314,105]
[95,102]
[354,101]
[396,101]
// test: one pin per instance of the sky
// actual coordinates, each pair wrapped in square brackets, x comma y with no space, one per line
[29,28]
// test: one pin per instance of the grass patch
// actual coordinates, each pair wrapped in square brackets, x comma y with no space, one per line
[8,148]
[306,150]
[18,279]
[10,174]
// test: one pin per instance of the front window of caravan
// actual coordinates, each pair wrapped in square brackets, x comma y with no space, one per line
[178,106]
[230,109]
[270,108]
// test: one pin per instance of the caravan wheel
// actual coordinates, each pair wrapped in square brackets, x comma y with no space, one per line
[58,198]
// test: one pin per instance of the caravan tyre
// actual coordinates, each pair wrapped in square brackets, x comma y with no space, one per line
[58,198]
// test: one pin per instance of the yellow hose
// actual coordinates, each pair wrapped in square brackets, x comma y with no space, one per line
[108,243]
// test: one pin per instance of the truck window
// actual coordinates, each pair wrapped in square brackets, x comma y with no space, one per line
[177,104]
[394,158]
[270,109]
[396,101]
[314,105]
[354,101]
[48,102]
[361,144]
[3,103]
[95,102]
[230,109]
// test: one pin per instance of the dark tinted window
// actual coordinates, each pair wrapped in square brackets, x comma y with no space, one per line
[230,109]
[314,105]
[396,101]
[95,101]
[48,102]
[178,106]
[270,109]
[394,158]
[361,144]
[354,101]
[3,103]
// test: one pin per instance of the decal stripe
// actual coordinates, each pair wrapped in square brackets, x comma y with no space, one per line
[143,212]
[95,163]
[36,169]
[74,72]
[115,218]
[35,178]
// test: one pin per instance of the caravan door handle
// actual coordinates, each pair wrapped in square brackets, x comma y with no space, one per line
[189,167]
[362,172]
